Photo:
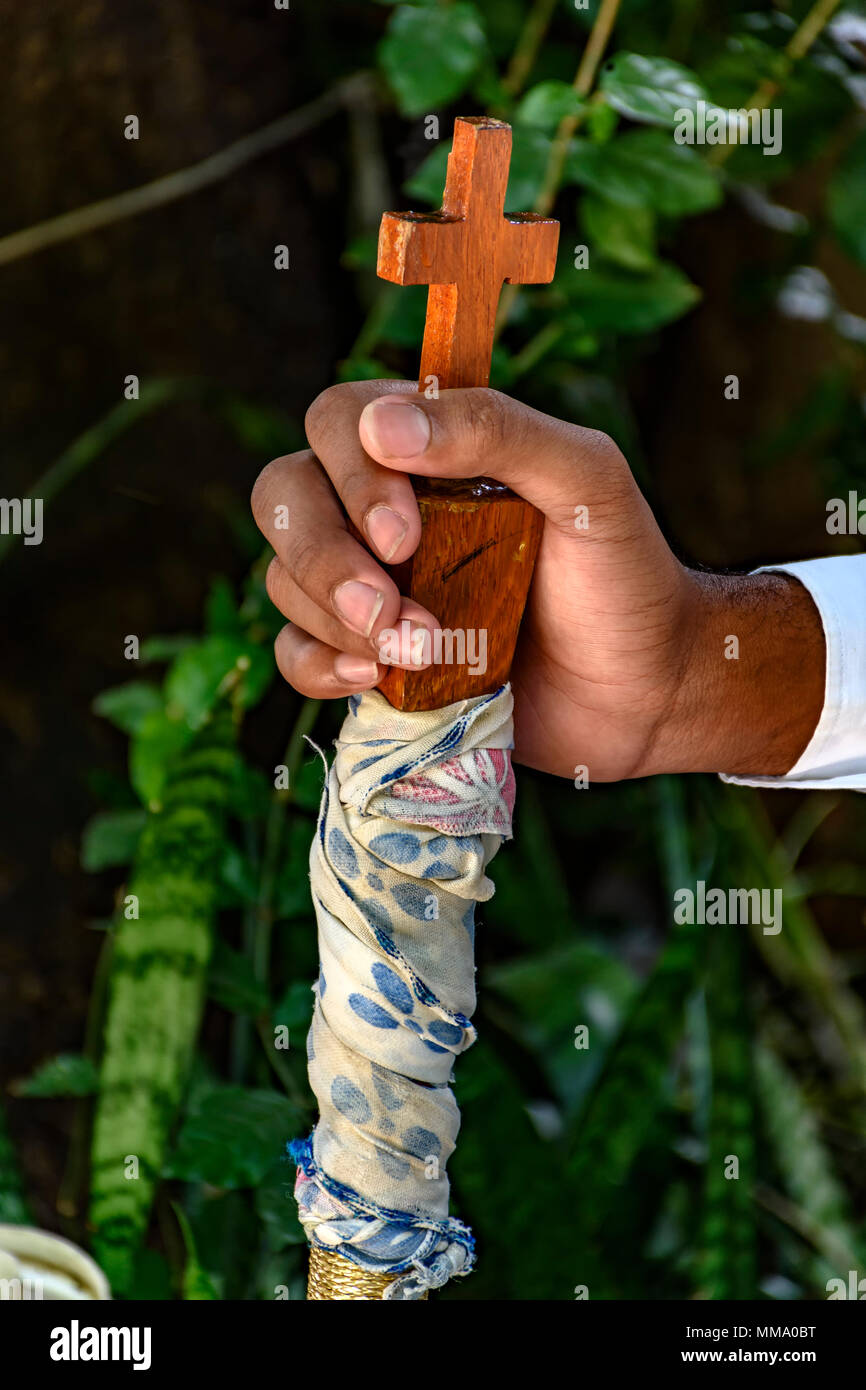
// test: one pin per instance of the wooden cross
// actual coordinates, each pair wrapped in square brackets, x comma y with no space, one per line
[466,252]
[473,565]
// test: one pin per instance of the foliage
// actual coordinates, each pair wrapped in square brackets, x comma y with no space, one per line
[602,1167]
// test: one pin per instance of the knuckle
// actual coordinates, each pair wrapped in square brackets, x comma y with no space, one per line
[323,408]
[279,481]
[601,448]
[273,581]
[486,419]
[304,561]
[262,489]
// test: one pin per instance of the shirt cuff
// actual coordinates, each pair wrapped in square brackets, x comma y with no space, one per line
[836,753]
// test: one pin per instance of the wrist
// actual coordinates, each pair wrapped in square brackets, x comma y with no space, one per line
[751,687]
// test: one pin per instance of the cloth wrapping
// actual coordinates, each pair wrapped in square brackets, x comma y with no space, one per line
[413,810]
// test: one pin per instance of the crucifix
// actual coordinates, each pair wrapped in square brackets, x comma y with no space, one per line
[474,562]
[420,795]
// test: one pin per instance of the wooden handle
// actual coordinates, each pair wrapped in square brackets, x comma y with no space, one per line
[474,562]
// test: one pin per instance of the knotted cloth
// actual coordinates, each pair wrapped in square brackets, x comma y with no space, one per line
[414,808]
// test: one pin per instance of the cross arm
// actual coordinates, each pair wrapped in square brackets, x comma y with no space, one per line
[531,257]
[412,245]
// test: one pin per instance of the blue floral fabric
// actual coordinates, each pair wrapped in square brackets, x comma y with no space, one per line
[415,807]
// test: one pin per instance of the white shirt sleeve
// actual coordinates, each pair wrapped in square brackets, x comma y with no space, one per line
[835,756]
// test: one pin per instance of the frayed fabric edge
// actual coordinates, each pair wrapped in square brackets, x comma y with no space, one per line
[447,1250]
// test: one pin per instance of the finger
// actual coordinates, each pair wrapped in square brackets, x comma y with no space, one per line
[476,431]
[404,645]
[298,513]
[318,671]
[379,501]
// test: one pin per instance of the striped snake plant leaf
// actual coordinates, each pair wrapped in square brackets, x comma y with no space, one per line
[727,1255]
[806,1169]
[157,990]
[633,1086]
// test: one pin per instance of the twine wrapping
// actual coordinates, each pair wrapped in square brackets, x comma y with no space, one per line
[414,808]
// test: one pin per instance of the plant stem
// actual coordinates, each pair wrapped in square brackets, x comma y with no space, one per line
[525,53]
[583,83]
[533,351]
[182,182]
[273,840]
[797,47]
[263,918]
[72,1183]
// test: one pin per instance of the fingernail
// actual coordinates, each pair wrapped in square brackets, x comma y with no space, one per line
[358,604]
[406,645]
[386,529]
[396,428]
[354,670]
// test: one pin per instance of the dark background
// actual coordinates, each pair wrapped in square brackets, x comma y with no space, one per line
[190,290]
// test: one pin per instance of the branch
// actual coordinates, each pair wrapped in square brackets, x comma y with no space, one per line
[184,181]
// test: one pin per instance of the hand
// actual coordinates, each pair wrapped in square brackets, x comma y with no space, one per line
[624,662]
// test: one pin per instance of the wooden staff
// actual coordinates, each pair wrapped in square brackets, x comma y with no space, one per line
[474,562]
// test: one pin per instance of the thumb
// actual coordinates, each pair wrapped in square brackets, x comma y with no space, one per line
[476,432]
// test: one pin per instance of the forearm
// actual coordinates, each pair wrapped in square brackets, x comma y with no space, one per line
[753,678]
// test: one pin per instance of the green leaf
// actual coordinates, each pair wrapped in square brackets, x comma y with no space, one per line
[607,298]
[151,1278]
[250,793]
[600,122]
[197,1283]
[622,234]
[404,316]
[308,784]
[295,1010]
[812,102]
[159,739]
[804,1162]
[429,56]
[68,1074]
[362,369]
[111,838]
[531,880]
[292,896]
[548,103]
[646,168]
[650,89]
[553,992]
[221,610]
[159,649]
[232,983]
[726,1266]
[530,150]
[361,252]
[611,1130]
[13,1204]
[276,1208]
[846,200]
[219,664]
[127,705]
[232,1136]
[238,874]
[261,430]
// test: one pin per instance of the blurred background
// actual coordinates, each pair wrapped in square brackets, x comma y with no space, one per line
[601,1167]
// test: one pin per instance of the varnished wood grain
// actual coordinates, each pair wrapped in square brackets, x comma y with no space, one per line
[474,562]
[466,252]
